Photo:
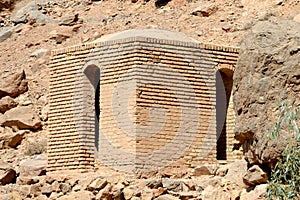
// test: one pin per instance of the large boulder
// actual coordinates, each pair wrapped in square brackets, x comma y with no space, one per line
[22,117]
[12,83]
[268,69]
[33,166]
[255,175]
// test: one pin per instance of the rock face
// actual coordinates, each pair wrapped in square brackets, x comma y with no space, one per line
[12,83]
[268,70]
[22,117]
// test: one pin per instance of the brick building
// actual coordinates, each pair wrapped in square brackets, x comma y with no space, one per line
[141,100]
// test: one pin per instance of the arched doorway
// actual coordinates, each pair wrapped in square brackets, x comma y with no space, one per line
[92,72]
[224,82]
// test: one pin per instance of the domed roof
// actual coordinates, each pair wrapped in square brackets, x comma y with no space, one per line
[147,33]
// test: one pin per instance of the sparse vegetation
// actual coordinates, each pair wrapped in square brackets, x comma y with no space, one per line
[284,182]
[38,146]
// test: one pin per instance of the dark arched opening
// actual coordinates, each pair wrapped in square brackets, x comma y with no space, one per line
[224,84]
[92,72]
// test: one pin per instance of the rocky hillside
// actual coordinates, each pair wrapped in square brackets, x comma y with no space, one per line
[30,29]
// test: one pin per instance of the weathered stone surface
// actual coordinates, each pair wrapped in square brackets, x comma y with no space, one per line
[33,167]
[267,70]
[77,196]
[7,103]
[12,83]
[69,20]
[167,197]
[97,184]
[204,170]
[30,13]
[38,18]
[10,139]
[258,193]
[255,175]
[153,183]
[116,191]
[5,33]
[236,172]
[40,53]
[222,193]
[104,193]
[61,34]
[205,10]
[7,173]
[22,117]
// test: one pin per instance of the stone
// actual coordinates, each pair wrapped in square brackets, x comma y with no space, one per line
[172,184]
[64,187]
[153,183]
[116,191]
[205,10]
[60,35]
[203,170]
[147,194]
[22,117]
[97,184]
[38,18]
[46,189]
[258,193]
[12,83]
[5,33]
[35,190]
[131,191]
[15,140]
[33,166]
[267,70]
[255,175]
[7,173]
[10,139]
[236,172]
[222,170]
[69,20]
[166,197]
[297,18]
[55,186]
[80,195]
[104,193]
[25,180]
[226,193]
[7,103]
[40,53]
[20,16]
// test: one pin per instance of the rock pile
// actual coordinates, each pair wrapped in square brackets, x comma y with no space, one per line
[94,186]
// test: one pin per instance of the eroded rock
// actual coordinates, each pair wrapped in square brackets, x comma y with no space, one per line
[22,117]
[33,166]
[7,103]
[12,83]
[5,33]
[7,173]
[255,175]
[267,70]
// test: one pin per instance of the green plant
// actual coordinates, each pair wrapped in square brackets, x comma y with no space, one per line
[284,182]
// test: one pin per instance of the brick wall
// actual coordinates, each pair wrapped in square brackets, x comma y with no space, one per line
[157,104]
